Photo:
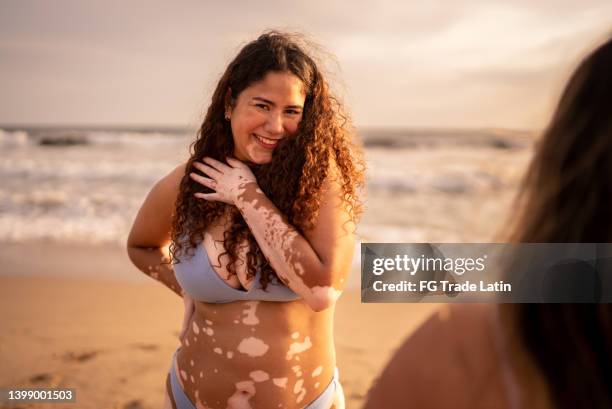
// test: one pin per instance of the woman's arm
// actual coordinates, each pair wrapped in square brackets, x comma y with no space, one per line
[149,238]
[314,265]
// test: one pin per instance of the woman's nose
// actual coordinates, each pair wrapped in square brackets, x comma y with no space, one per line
[274,124]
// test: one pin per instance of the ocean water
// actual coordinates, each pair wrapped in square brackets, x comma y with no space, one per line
[86,186]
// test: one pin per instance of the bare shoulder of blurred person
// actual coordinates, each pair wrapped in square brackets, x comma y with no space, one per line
[454,360]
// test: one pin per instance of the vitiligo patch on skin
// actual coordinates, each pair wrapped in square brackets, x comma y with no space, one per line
[318,370]
[298,386]
[230,354]
[199,404]
[295,335]
[218,351]
[259,376]
[286,257]
[280,382]
[195,327]
[183,375]
[301,395]
[297,370]
[249,313]
[240,399]
[253,347]
[208,322]
[191,362]
[298,348]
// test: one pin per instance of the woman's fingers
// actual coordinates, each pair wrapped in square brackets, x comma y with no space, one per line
[235,163]
[207,170]
[208,196]
[208,182]
[219,166]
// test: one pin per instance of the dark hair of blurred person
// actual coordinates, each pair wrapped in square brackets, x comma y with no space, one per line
[567,198]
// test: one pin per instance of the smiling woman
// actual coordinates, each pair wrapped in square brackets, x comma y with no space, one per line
[256,233]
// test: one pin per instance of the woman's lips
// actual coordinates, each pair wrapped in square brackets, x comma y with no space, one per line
[267,143]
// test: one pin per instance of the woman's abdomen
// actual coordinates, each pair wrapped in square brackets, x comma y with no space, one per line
[263,353]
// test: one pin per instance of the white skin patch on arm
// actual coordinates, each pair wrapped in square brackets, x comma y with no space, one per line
[195,327]
[280,382]
[218,351]
[249,313]
[298,348]
[318,370]
[259,376]
[326,292]
[295,335]
[230,354]
[253,347]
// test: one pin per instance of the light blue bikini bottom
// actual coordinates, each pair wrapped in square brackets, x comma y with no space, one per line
[323,401]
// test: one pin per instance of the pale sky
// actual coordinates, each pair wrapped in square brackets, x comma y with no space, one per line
[397,64]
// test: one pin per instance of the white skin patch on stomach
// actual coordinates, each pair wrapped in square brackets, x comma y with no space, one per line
[298,347]
[318,370]
[259,376]
[249,313]
[240,399]
[298,386]
[253,347]
[280,382]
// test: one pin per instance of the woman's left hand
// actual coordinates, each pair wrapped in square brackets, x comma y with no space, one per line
[228,182]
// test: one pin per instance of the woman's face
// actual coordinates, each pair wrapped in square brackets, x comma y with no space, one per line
[264,113]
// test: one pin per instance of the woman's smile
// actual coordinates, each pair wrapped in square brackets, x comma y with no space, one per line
[266,143]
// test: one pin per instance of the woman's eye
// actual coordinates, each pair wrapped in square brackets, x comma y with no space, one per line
[292,112]
[262,106]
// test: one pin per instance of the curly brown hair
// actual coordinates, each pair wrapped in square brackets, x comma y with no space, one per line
[299,166]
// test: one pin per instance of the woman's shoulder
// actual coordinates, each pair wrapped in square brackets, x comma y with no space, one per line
[451,350]
[171,182]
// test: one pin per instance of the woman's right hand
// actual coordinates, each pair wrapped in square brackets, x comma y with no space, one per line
[189,309]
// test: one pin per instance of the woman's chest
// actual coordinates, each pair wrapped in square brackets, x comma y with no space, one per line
[219,258]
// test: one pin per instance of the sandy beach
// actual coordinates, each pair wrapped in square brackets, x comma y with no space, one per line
[110,333]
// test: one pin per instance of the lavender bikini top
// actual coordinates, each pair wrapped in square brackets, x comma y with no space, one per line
[198,278]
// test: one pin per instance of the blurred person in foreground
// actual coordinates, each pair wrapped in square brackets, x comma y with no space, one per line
[529,355]
[260,223]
